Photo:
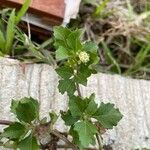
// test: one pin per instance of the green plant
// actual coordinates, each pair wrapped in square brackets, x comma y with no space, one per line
[139,60]
[7,34]
[110,59]
[85,118]
[122,35]
[33,51]
[100,7]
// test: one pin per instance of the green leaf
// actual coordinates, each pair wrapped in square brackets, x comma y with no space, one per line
[83,73]
[14,131]
[86,131]
[61,53]
[14,105]
[2,41]
[75,137]
[73,41]
[61,34]
[90,47]
[92,50]
[67,85]
[107,115]
[82,107]
[9,145]
[36,53]
[68,118]
[110,58]
[10,32]
[27,110]
[76,106]
[22,11]
[92,106]
[29,143]
[101,7]
[65,72]
[53,117]
[94,59]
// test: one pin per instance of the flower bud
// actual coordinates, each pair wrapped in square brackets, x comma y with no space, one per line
[84,57]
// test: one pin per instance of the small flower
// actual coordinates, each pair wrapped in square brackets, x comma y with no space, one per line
[84,57]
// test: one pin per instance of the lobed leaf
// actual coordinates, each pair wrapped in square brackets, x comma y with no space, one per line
[68,118]
[14,131]
[107,115]
[90,47]
[76,106]
[14,105]
[82,107]
[86,131]
[75,137]
[61,53]
[61,35]
[67,85]
[73,41]
[83,73]
[27,109]
[65,72]
[29,143]
[92,106]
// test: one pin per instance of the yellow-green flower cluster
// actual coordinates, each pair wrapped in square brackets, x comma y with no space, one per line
[84,57]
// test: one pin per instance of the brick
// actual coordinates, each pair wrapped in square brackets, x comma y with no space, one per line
[52,10]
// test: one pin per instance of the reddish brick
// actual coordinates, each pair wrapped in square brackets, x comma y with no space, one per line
[50,9]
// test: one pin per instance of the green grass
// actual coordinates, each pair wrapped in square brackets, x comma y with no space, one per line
[123,38]
[10,20]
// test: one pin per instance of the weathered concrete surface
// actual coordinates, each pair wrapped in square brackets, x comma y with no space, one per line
[39,81]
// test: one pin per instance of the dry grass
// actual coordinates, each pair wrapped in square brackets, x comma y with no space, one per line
[122,31]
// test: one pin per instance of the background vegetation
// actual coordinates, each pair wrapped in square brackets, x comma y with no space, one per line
[122,31]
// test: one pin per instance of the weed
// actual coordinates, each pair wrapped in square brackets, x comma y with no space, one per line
[7,35]
[86,120]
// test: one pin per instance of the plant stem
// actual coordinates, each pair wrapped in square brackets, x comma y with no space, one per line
[99,142]
[68,146]
[78,90]
[62,137]
[5,122]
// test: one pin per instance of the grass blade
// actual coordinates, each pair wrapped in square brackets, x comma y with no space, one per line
[10,32]
[139,59]
[46,43]
[110,58]
[2,41]
[130,10]
[101,7]
[22,11]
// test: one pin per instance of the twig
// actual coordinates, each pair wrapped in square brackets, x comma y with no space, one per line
[58,134]
[68,146]
[5,122]
[99,142]
[78,89]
